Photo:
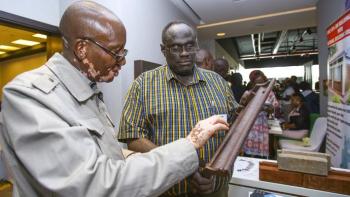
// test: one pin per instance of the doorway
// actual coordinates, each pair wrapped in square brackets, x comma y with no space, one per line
[25,44]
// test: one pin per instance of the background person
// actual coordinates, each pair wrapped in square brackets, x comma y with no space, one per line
[221,67]
[298,123]
[204,59]
[289,90]
[311,98]
[257,142]
[237,87]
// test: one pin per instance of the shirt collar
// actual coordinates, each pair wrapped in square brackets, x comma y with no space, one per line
[77,84]
[306,92]
[197,74]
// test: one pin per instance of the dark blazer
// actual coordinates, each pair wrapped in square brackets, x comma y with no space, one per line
[312,101]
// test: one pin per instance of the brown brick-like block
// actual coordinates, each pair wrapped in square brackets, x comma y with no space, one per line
[268,171]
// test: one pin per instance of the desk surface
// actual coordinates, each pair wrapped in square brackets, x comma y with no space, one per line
[248,177]
[274,127]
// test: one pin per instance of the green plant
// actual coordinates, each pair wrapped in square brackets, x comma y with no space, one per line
[336,99]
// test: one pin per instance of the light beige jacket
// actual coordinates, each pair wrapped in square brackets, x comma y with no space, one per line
[58,140]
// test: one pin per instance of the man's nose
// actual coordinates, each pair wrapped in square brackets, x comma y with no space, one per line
[120,62]
[184,51]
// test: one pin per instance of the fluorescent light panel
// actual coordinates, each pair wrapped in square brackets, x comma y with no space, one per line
[25,42]
[256,17]
[42,36]
[9,48]
[221,34]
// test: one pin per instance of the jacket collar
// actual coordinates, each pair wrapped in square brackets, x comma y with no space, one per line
[76,83]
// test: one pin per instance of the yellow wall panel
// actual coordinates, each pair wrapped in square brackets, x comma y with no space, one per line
[11,68]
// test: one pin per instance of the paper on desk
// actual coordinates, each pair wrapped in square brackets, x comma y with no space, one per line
[252,173]
[240,167]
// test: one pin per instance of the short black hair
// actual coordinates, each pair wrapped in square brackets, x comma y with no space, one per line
[167,27]
[304,85]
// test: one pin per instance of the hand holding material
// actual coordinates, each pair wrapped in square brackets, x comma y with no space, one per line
[201,184]
[204,129]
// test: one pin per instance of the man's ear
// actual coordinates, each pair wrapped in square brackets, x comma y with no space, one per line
[162,48]
[80,49]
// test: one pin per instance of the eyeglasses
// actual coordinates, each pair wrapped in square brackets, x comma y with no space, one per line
[117,56]
[177,49]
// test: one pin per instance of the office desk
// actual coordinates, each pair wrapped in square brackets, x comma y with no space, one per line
[275,131]
[274,127]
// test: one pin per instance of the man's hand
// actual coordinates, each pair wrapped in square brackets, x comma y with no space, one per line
[204,129]
[202,185]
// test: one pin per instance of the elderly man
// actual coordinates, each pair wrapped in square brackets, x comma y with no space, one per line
[162,106]
[57,135]
[204,59]
[221,67]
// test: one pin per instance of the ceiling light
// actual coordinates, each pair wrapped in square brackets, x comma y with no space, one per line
[257,17]
[42,36]
[221,34]
[25,42]
[1,52]
[9,48]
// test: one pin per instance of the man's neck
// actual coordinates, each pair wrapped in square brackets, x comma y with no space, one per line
[185,79]
[70,59]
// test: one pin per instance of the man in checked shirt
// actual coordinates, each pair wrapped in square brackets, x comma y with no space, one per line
[162,105]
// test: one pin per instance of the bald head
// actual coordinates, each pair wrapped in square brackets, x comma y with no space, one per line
[88,19]
[175,28]
[94,40]
[204,59]
[221,66]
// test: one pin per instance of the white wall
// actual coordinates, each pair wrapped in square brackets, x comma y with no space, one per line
[45,11]
[144,21]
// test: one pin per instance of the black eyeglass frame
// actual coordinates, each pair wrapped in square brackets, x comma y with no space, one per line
[193,49]
[116,56]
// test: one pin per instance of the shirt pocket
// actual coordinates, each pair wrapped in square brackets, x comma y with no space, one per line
[218,107]
[93,125]
[103,137]
[95,128]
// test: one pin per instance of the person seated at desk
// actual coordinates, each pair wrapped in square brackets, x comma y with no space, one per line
[298,125]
